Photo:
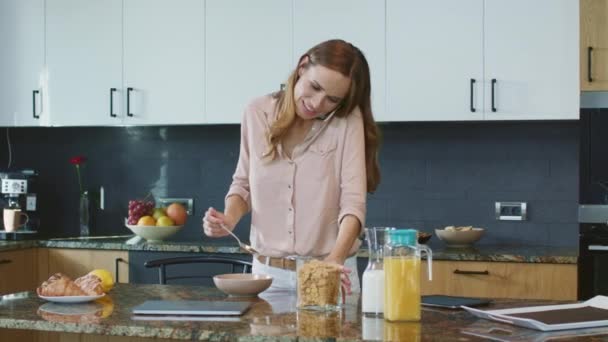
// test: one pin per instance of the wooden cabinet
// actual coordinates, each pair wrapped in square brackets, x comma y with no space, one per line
[594,45]
[248,53]
[78,262]
[18,271]
[22,63]
[501,280]
[164,62]
[468,61]
[84,61]
[362,25]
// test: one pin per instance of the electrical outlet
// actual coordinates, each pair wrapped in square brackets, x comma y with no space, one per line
[187,202]
[511,211]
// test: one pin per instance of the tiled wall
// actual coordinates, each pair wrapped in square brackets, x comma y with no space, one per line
[434,174]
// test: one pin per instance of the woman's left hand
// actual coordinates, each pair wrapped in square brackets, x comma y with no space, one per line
[344,274]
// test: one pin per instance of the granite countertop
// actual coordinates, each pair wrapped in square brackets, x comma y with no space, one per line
[498,253]
[273,316]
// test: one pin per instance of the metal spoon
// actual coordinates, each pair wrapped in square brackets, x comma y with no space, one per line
[244,246]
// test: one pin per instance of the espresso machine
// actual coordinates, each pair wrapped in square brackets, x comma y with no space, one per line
[18,190]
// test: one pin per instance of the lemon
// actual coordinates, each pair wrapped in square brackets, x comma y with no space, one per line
[107,281]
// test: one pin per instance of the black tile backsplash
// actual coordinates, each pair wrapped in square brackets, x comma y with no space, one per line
[434,174]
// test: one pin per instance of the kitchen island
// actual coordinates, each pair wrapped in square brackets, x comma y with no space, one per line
[272,317]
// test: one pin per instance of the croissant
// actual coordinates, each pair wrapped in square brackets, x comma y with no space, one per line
[59,285]
[90,284]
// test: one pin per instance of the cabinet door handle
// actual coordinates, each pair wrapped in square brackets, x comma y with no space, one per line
[486,272]
[112,91]
[472,100]
[493,90]
[129,90]
[116,262]
[34,93]
[5,261]
[589,51]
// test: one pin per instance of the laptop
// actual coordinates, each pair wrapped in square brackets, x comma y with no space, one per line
[191,308]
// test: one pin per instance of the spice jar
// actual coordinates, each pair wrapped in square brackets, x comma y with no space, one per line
[318,284]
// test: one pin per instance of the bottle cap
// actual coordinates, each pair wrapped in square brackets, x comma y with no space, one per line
[402,237]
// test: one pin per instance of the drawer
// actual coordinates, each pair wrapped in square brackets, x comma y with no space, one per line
[502,280]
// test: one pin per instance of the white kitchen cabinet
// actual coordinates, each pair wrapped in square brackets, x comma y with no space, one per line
[84,61]
[443,55]
[248,54]
[362,25]
[164,62]
[532,51]
[22,63]
[434,61]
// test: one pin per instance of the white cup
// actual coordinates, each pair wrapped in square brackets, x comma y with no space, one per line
[12,219]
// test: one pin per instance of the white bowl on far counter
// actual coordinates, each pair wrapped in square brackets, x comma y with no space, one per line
[459,238]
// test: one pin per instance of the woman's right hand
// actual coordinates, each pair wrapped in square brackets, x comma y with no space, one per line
[213,221]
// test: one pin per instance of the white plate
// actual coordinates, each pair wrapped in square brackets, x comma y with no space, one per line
[71,299]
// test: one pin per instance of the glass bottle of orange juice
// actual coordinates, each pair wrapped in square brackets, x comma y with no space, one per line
[402,274]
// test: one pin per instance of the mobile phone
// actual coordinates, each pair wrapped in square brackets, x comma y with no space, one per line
[453,302]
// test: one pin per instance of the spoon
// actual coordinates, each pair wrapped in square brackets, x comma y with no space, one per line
[244,246]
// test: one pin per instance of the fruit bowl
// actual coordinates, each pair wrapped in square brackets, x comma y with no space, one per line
[242,284]
[153,233]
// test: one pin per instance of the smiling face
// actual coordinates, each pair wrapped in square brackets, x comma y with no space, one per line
[319,90]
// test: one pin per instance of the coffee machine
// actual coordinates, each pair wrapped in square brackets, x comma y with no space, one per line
[18,189]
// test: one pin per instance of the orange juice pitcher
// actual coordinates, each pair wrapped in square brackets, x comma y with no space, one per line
[402,274]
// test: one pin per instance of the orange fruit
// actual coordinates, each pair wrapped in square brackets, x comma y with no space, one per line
[177,213]
[146,221]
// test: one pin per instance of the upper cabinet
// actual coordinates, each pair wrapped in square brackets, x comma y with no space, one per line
[434,60]
[84,61]
[22,84]
[594,45]
[532,67]
[467,60]
[248,54]
[362,25]
[164,58]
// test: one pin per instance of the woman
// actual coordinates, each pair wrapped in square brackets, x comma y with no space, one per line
[308,156]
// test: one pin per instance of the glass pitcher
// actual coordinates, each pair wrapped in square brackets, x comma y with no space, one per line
[372,292]
[402,274]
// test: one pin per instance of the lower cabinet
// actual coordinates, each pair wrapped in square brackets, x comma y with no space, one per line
[77,262]
[501,280]
[17,271]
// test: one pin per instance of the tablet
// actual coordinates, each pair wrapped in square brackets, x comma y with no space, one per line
[191,307]
[452,302]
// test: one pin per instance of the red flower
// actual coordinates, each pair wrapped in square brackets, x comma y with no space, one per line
[78,160]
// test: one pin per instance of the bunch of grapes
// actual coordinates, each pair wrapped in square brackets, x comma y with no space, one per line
[137,209]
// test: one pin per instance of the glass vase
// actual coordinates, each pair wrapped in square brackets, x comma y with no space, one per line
[85,214]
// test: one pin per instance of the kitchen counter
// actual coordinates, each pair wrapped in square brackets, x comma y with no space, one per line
[272,317]
[499,253]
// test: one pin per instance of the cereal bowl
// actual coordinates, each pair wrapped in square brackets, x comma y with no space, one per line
[242,284]
[460,238]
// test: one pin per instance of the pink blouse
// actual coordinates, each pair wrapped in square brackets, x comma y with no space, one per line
[297,203]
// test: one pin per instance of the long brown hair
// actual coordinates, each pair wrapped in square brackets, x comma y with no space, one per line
[348,60]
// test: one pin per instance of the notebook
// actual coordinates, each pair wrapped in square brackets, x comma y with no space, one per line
[191,308]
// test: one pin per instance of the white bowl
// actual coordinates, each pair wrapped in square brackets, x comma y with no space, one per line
[154,233]
[242,284]
[459,238]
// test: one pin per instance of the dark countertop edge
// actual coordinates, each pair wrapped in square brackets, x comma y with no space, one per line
[517,254]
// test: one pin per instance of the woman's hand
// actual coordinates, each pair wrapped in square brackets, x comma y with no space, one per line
[213,221]
[344,274]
